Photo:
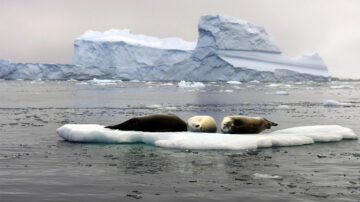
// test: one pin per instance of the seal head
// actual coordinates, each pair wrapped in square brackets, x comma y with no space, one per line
[245,124]
[205,124]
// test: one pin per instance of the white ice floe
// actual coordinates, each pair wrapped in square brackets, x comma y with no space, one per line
[281,92]
[104,81]
[226,91]
[334,103]
[342,87]
[188,84]
[283,107]
[92,133]
[171,108]
[279,85]
[266,176]
[234,82]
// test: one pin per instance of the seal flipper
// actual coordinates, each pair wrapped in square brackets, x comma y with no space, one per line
[270,123]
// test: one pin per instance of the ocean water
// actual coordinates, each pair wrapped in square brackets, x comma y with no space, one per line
[37,165]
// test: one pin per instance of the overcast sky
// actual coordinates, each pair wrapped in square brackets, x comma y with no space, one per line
[44,30]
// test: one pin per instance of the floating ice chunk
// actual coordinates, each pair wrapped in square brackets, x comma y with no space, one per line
[171,108]
[104,81]
[281,92]
[279,85]
[283,107]
[234,82]
[188,84]
[334,103]
[254,81]
[342,87]
[37,81]
[92,133]
[273,85]
[226,91]
[267,176]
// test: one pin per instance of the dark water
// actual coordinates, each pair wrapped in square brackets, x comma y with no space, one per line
[36,165]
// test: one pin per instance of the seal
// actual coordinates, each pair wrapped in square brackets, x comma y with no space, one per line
[245,124]
[205,124]
[153,123]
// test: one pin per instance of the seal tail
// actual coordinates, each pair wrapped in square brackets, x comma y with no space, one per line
[271,123]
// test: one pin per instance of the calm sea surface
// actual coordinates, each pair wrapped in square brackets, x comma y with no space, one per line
[37,165]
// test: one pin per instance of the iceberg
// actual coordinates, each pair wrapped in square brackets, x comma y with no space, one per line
[228,49]
[334,103]
[92,133]
[121,48]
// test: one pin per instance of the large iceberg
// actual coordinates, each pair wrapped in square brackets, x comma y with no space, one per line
[228,49]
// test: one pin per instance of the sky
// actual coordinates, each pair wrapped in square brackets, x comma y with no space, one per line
[44,30]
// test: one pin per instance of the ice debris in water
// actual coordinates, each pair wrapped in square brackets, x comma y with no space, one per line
[104,81]
[281,92]
[188,84]
[279,85]
[266,176]
[92,133]
[334,103]
[234,82]
[283,107]
[342,87]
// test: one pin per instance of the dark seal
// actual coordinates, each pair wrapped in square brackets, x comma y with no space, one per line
[153,123]
[245,124]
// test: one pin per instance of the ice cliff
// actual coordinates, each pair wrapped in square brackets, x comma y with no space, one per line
[227,49]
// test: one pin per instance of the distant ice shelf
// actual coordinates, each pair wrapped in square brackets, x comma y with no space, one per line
[228,49]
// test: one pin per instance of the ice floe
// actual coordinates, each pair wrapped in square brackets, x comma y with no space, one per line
[266,176]
[342,87]
[334,103]
[104,81]
[281,92]
[283,107]
[92,133]
[234,82]
[188,84]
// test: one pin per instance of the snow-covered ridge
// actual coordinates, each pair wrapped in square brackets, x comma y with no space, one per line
[125,35]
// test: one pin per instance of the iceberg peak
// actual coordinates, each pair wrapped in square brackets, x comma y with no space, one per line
[236,34]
